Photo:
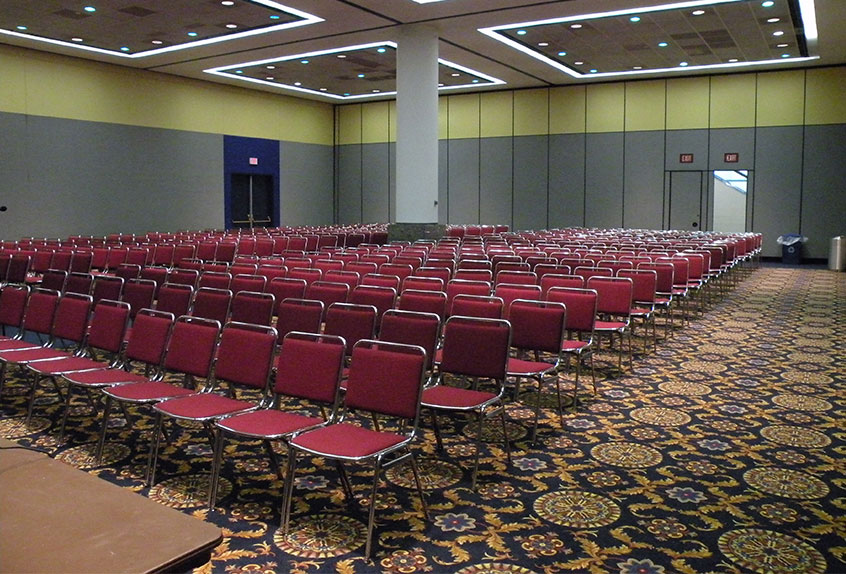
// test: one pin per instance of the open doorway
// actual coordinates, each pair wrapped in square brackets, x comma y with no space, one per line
[731,189]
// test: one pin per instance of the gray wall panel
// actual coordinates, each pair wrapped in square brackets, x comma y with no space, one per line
[686,141]
[375,184]
[735,140]
[349,183]
[778,185]
[567,180]
[95,178]
[604,180]
[643,197]
[443,181]
[531,182]
[307,184]
[463,181]
[495,174]
[824,187]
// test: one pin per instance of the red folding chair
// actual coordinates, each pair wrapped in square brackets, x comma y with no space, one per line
[424,302]
[304,315]
[614,308]
[244,360]
[252,307]
[384,379]
[581,307]
[211,303]
[175,298]
[463,356]
[308,369]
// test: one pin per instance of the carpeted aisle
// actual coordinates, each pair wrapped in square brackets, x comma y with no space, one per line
[724,452]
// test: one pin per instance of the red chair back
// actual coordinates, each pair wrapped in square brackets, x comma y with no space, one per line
[353,322]
[581,307]
[191,346]
[463,355]
[537,325]
[296,314]
[320,356]
[412,328]
[245,354]
[175,298]
[109,323]
[252,307]
[211,303]
[71,320]
[424,302]
[386,378]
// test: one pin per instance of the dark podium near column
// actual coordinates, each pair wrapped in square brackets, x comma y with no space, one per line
[56,518]
[414,231]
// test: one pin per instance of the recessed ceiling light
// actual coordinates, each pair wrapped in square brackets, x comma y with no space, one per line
[124,48]
[579,63]
[271,67]
[156,42]
[543,44]
[21,27]
[90,9]
[521,32]
[475,81]
[228,3]
[376,91]
[440,85]
[785,55]
[322,89]
[381,50]
[232,26]
[778,33]
[342,55]
[298,83]
[732,60]
[575,26]
[698,12]
[773,20]
[593,71]
[634,19]
[784,45]
[77,39]
[767,4]
[274,16]
[239,71]
[269,77]
[346,93]
[192,34]
[455,74]
[682,64]
[562,53]
[638,68]
[662,44]
[361,75]
[303,61]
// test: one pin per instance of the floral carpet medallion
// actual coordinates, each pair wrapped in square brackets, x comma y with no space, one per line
[721,452]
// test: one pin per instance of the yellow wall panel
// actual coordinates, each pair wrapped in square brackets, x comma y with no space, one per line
[497,114]
[687,103]
[781,98]
[605,107]
[349,124]
[646,105]
[392,121]
[531,112]
[375,118]
[464,116]
[567,110]
[733,101]
[443,118]
[12,81]
[825,89]
[58,86]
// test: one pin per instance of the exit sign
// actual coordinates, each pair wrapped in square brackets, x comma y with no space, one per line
[731,157]
[253,161]
[686,158]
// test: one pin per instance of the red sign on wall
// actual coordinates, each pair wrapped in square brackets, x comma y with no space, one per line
[731,157]
[686,158]
[253,161]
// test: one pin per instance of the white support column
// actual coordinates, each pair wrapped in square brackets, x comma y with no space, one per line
[417,125]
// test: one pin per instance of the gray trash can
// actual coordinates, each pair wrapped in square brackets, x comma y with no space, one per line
[837,254]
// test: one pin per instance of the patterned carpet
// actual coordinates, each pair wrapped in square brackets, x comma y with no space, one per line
[723,452]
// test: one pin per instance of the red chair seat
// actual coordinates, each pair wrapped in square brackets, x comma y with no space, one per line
[610,325]
[23,356]
[104,378]
[148,391]
[66,365]
[15,344]
[445,397]
[640,311]
[268,423]
[571,345]
[202,406]
[523,368]
[345,440]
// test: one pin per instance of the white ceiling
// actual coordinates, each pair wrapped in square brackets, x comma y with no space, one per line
[608,44]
